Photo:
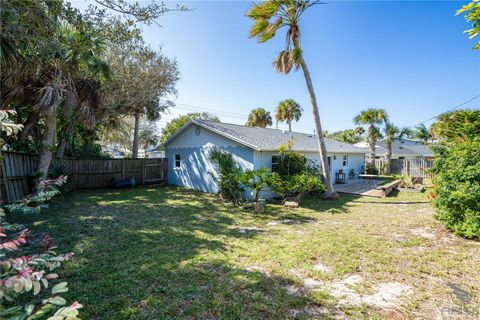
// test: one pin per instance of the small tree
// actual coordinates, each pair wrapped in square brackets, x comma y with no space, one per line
[257,181]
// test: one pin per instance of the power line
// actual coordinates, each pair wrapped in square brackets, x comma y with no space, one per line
[454,108]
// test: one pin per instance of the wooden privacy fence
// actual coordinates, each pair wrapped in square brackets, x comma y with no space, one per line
[17,170]
[407,167]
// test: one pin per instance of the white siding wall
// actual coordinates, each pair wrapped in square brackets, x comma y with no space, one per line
[355,161]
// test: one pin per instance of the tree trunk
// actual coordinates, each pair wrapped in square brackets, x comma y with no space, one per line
[136,136]
[48,139]
[322,149]
[32,119]
[371,145]
[388,158]
[63,144]
[276,125]
[289,125]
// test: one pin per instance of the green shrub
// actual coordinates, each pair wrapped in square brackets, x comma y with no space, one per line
[257,180]
[456,195]
[297,184]
[290,162]
[229,184]
[295,174]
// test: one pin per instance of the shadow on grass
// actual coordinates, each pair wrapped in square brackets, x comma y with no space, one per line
[153,253]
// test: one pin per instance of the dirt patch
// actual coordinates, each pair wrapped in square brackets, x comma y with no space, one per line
[322,268]
[423,232]
[247,229]
[385,295]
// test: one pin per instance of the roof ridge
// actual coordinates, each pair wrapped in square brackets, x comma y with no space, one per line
[262,128]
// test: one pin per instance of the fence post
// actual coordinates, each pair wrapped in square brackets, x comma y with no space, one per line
[4,173]
[144,171]
[123,169]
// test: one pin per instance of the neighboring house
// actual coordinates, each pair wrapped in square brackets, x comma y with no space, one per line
[188,151]
[401,149]
[114,151]
[154,152]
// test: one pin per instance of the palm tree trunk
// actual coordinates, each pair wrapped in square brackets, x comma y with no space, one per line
[322,149]
[371,145]
[63,144]
[136,136]
[28,125]
[388,158]
[276,125]
[48,139]
[290,125]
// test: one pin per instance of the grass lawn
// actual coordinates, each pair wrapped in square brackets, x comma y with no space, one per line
[164,253]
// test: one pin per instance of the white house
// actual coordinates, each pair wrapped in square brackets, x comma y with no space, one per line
[401,149]
[188,151]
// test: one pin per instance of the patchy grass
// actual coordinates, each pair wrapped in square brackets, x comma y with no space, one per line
[153,253]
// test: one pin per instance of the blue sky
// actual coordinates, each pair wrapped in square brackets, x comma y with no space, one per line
[411,58]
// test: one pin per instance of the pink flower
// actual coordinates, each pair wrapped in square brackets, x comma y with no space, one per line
[24,273]
[75,305]
[68,255]
[38,275]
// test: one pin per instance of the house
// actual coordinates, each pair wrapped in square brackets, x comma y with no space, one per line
[401,149]
[154,152]
[187,151]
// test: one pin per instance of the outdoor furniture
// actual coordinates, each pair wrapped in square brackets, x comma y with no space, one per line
[389,187]
[351,175]
[340,177]
[368,180]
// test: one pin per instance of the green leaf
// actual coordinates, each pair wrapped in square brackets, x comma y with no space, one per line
[36,288]
[58,301]
[59,288]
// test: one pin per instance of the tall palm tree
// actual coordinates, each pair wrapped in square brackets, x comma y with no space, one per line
[372,118]
[391,132]
[268,17]
[259,118]
[422,132]
[288,110]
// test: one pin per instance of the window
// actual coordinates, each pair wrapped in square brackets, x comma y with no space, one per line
[345,160]
[275,162]
[177,160]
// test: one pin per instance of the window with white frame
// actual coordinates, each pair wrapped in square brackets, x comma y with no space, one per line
[275,162]
[177,160]
[345,160]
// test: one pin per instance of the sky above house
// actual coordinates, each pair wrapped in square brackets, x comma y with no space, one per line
[410,58]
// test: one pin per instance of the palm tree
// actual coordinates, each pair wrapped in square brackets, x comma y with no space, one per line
[259,118]
[391,133]
[288,110]
[372,117]
[405,132]
[268,17]
[421,132]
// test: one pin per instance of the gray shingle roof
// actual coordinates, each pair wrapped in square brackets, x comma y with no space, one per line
[404,149]
[266,139]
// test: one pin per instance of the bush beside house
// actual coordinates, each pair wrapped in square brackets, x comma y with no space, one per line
[457,186]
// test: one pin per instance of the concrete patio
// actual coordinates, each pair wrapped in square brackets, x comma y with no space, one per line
[360,187]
